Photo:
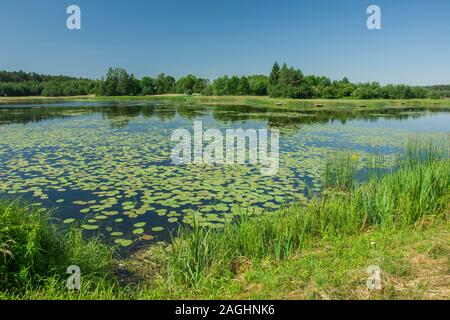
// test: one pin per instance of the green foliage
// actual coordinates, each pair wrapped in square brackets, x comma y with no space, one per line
[417,190]
[190,84]
[274,74]
[119,83]
[148,86]
[288,82]
[438,91]
[258,85]
[284,82]
[32,249]
[341,172]
[165,84]
[207,91]
[253,85]
[32,84]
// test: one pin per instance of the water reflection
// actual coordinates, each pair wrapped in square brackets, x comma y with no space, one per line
[72,156]
[120,114]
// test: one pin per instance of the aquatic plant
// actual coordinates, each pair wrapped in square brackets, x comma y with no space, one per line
[415,191]
[109,168]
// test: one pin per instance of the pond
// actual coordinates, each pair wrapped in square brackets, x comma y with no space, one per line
[107,166]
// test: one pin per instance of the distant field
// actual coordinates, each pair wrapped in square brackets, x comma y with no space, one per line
[42,98]
[319,104]
[324,104]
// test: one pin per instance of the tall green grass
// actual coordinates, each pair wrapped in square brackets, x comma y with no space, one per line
[34,252]
[341,172]
[418,189]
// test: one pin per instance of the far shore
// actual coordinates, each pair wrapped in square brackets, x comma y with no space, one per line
[292,104]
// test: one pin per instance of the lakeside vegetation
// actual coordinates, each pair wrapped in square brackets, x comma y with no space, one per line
[282,82]
[317,250]
[34,251]
[353,105]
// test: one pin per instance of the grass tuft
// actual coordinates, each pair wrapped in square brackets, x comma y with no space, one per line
[34,252]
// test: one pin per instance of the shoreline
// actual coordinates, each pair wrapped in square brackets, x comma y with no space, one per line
[257,101]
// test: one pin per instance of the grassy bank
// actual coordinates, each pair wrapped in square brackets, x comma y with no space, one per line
[318,250]
[29,99]
[35,254]
[289,104]
[312,104]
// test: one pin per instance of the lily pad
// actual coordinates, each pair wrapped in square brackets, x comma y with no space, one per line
[124,242]
[89,227]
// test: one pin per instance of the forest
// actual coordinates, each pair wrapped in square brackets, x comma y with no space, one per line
[19,84]
[282,82]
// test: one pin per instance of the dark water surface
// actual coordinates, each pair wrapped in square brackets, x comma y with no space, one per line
[107,166]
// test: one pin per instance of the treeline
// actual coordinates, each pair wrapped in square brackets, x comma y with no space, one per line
[17,84]
[288,82]
[439,90]
[119,83]
[282,82]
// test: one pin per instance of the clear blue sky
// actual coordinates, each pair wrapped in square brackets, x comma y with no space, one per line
[210,38]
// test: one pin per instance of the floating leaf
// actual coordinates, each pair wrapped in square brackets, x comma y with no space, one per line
[147,237]
[124,242]
[138,231]
[140,224]
[89,227]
